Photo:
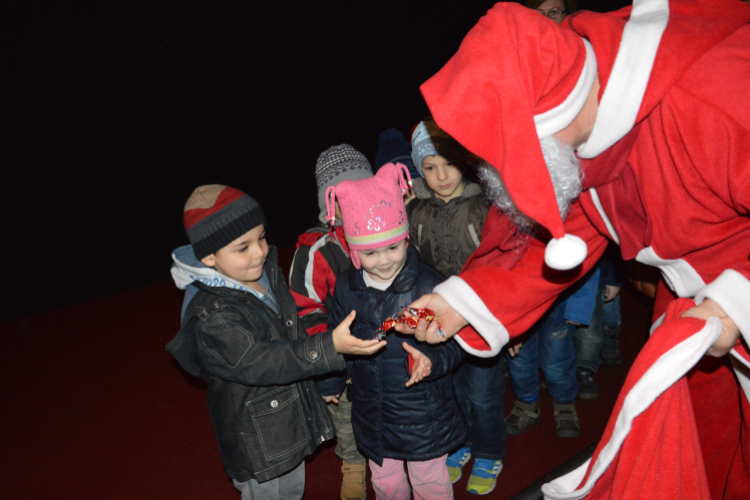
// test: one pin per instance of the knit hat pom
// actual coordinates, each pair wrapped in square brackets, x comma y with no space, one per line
[565,253]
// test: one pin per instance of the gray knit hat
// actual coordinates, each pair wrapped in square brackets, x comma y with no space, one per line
[216,215]
[336,164]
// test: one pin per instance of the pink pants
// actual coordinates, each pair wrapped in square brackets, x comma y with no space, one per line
[429,479]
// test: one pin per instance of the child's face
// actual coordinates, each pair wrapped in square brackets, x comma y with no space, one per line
[243,259]
[443,177]
[383,263]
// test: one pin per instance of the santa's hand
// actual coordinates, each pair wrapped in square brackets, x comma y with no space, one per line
[447,318]
[729,330]
[422,365]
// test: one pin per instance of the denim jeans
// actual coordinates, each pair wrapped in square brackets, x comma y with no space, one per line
[604,329]
[551,348]
[480,388]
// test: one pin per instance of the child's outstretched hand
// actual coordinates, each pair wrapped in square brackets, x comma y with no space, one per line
[331,399]
[422,365]
[346,343]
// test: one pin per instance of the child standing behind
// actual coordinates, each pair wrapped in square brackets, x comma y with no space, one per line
[394,420]
[241,335]
[322,255]
[446,225]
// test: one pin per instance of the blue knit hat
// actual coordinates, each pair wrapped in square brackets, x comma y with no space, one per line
[429,139]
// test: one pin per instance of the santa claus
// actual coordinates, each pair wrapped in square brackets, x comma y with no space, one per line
[632,126]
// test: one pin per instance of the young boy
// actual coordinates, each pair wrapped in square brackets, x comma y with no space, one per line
[321,256]
[241,335]
[403,403]
[445,223]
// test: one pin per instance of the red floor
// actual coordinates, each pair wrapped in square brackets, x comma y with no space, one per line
[93,407]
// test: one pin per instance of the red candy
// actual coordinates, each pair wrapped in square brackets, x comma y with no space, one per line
[410,317]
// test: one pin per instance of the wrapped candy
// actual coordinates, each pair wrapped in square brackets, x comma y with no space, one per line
[408,316]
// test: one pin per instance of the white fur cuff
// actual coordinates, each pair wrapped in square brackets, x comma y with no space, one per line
[462,298]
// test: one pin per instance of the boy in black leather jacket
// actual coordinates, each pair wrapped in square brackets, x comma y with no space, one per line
[241,335]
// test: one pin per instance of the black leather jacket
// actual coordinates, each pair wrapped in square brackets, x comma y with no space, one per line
[266,416]
[391,420]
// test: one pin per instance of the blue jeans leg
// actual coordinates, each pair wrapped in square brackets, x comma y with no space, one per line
[557,356]
[524,369]
[589,339]
[611,328]
[611,312]
[480,388]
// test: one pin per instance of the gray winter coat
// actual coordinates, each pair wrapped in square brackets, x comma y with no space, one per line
[446,234]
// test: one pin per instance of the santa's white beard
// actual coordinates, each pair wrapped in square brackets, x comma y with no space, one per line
[565,172]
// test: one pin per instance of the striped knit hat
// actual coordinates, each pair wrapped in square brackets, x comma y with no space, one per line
[372,210]
[336,164]
[216,215]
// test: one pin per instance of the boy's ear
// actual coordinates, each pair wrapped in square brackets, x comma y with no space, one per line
[209,260]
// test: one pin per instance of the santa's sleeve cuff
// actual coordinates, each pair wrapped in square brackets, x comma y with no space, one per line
[731,290]
[462,298]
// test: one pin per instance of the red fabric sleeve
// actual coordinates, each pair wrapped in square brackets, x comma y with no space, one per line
[510,276]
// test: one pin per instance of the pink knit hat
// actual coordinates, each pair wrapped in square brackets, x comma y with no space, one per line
[372,210]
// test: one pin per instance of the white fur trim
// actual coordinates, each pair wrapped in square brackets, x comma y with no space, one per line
[559,117]
[565,253]
[627,83]
[667,370]
[468,304]
[742,370]
[678,274]
[603,215]
[731,290]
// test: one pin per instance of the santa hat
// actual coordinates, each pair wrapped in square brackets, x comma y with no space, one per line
[516,78]
[373,210]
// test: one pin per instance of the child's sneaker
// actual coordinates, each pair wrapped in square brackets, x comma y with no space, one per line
[566,419]
[456,461]
[523,415]
[484,476]
[353,485]
[587,386]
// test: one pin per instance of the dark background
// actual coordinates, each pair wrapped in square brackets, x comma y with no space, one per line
[115,112]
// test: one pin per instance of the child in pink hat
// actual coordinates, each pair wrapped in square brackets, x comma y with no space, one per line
[395,419]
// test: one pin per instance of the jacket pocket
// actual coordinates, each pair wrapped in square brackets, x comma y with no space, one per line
[279,422]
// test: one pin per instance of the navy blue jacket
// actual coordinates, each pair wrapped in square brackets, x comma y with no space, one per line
[391,420]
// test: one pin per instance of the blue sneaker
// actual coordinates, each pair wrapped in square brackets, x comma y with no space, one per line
[456,461]
[484,476]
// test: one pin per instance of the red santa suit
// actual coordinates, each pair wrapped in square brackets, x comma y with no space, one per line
[666,175]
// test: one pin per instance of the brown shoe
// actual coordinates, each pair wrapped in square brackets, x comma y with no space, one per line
[353,484]
[523,415]
[566,419]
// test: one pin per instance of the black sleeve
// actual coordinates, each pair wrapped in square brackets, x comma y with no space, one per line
[229,349]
